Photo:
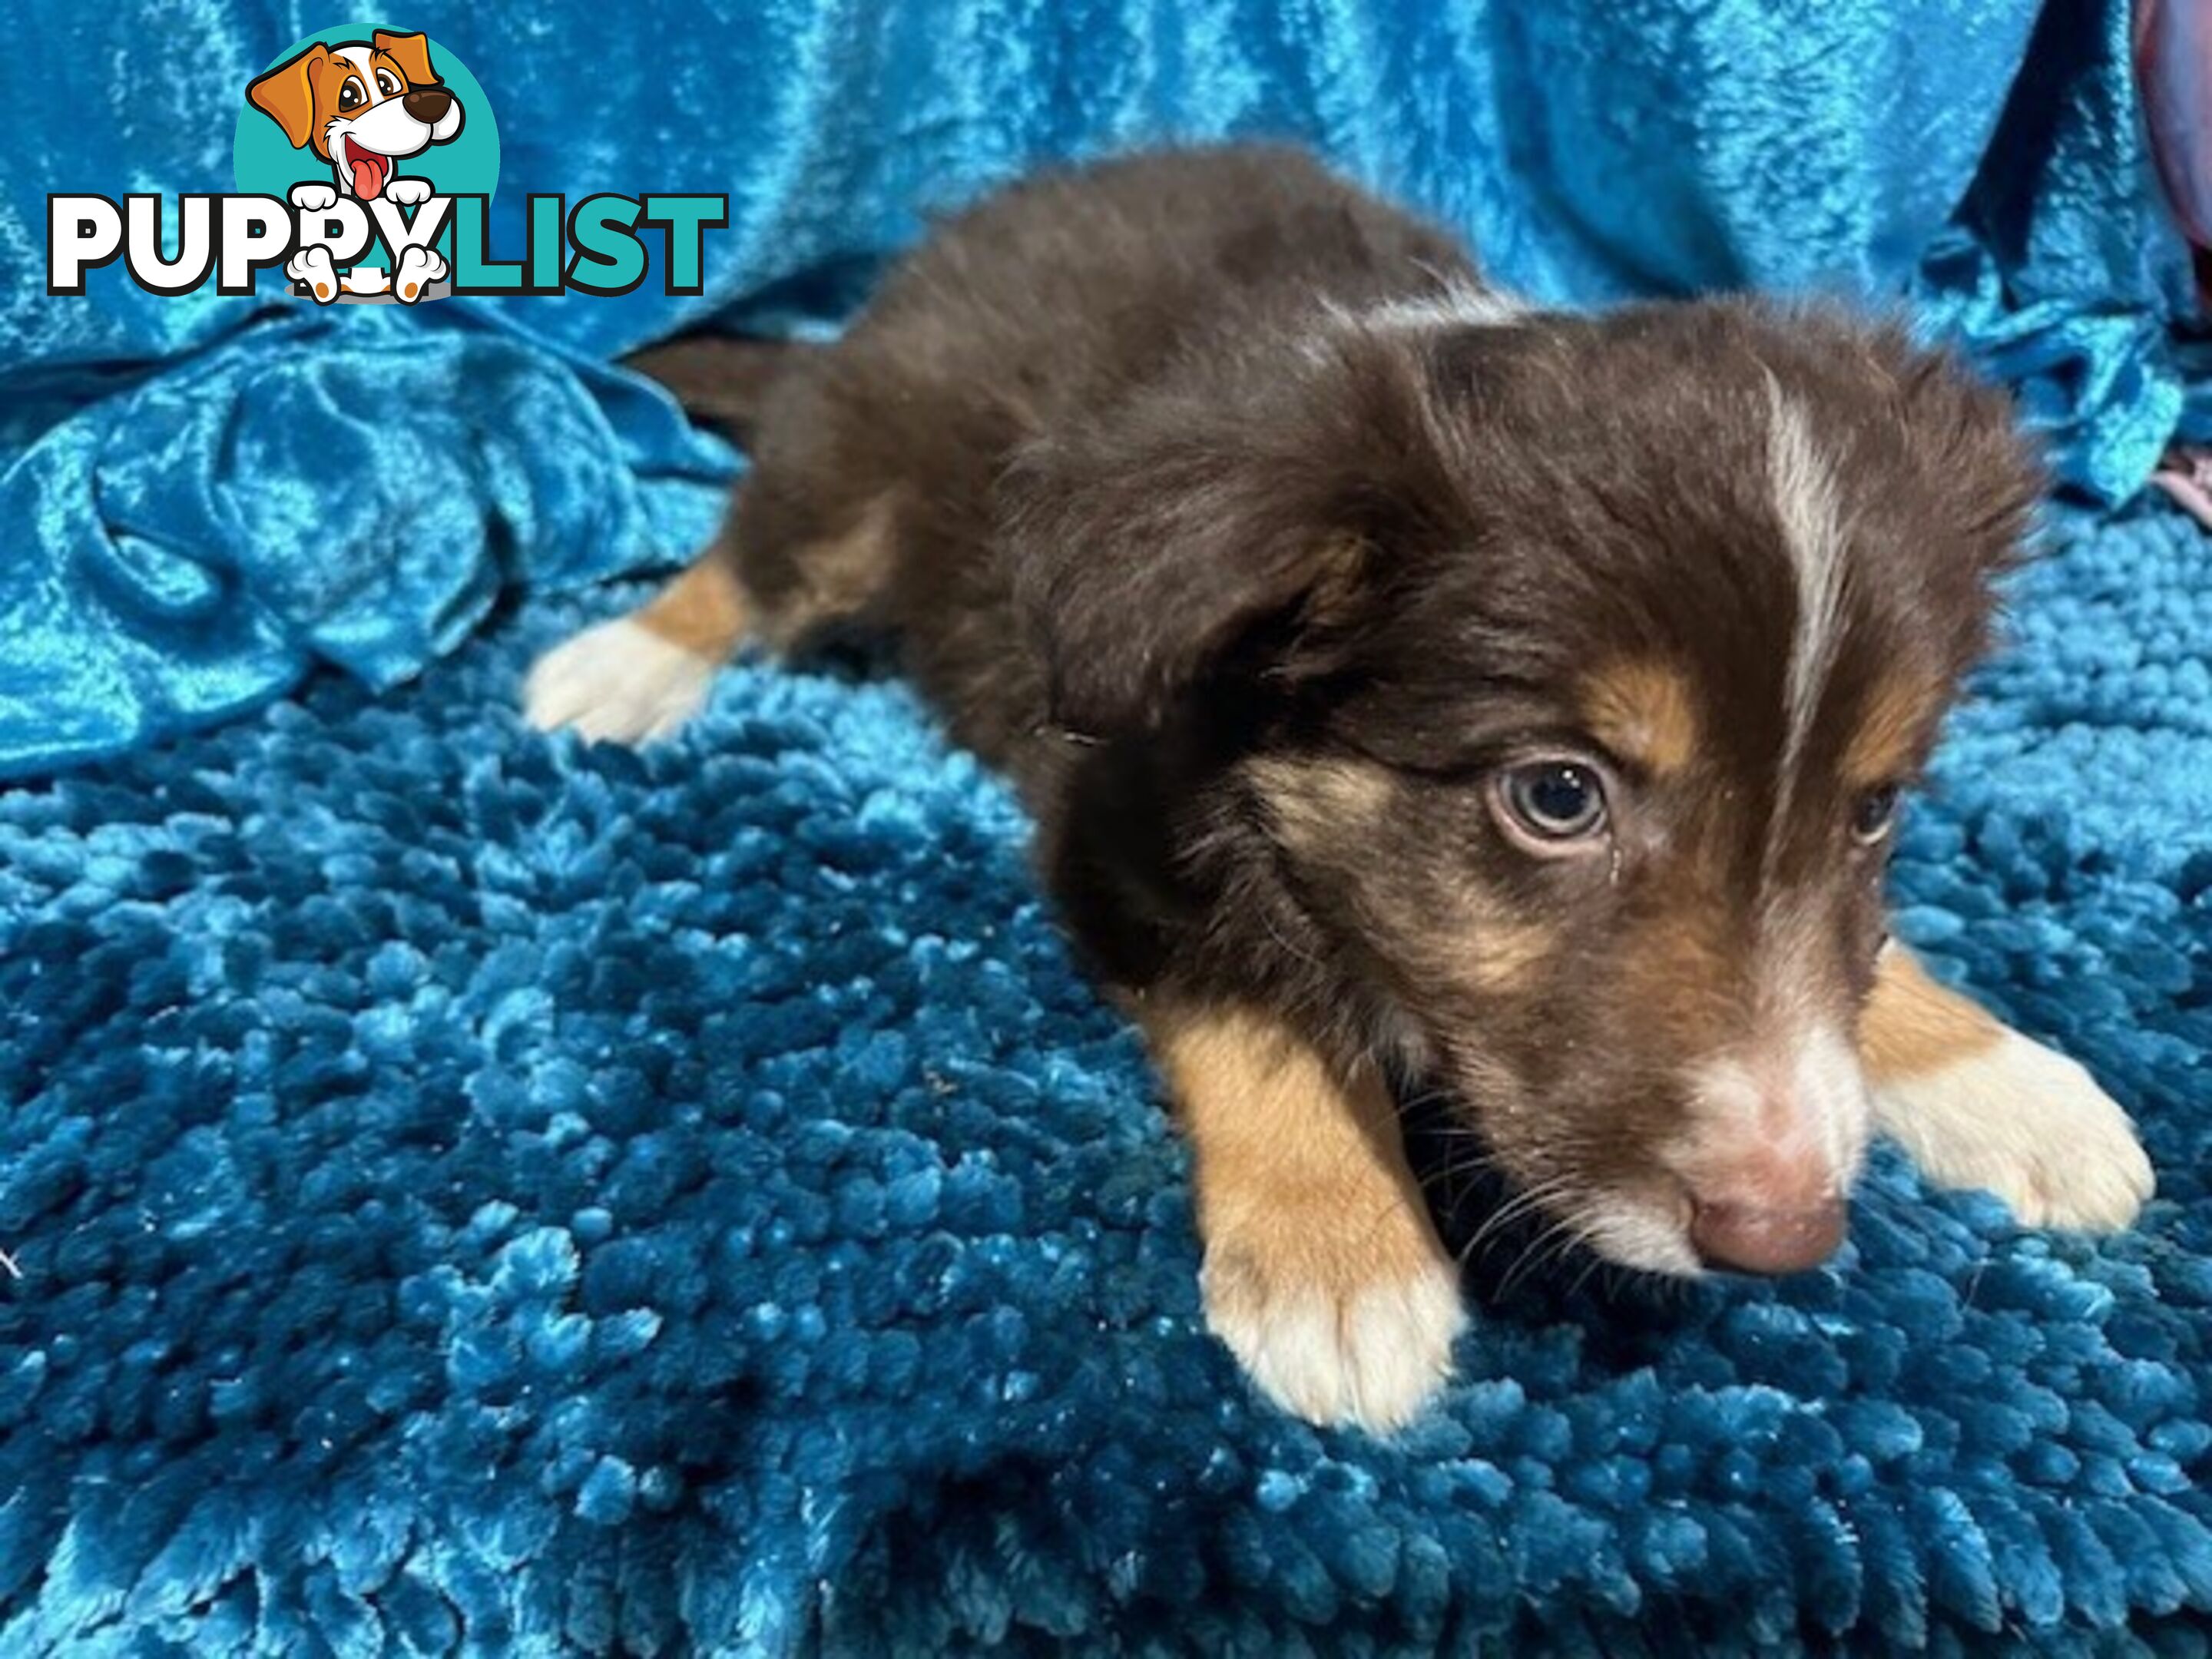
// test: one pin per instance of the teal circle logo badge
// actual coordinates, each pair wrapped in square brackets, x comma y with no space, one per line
[366,158]
[369,133]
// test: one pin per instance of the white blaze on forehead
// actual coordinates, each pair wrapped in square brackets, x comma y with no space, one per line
[1805,503]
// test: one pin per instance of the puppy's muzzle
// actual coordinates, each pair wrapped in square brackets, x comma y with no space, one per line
[1779,1130]
[427,104]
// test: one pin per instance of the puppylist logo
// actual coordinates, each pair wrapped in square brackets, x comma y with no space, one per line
[366,158]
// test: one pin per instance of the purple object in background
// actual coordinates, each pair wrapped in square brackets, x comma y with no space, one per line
[2173,71]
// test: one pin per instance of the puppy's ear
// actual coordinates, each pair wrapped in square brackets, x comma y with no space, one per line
[287,94]
[411,53]
[1979,464]
[1188,538]
[1953,484]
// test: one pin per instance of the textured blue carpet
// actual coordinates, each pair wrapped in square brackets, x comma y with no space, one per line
[469,1190]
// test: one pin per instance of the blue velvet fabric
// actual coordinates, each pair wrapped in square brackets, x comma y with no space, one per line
[212,494]
[464,1192]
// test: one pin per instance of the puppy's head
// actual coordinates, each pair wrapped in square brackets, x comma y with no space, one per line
[1570,670]
[360,105]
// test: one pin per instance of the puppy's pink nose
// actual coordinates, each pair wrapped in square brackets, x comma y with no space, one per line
[1756,1239]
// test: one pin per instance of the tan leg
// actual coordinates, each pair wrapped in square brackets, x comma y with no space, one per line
[641,677]
[703,608]
[1323,1272]
[1976,1104]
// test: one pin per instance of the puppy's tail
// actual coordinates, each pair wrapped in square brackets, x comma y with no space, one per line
[723,381]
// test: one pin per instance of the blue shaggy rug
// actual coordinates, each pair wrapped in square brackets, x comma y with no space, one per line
[474,1191]
[464,1192]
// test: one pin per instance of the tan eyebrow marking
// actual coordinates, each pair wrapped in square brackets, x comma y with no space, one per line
[1641,710]
[1885,739]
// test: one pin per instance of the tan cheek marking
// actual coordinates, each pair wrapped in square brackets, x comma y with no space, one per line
[1643,711]
[1680,995]
[1887,740]
[1324,807]
[1310,801]
[1912,1026]
[1498,955]
[703,610]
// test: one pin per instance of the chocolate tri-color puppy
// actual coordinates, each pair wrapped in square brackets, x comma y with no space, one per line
[1415,691]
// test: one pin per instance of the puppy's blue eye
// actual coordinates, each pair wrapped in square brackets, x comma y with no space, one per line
[1552,801]
[1873,813]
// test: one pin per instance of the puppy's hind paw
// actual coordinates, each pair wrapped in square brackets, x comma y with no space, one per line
[618,682]
[2030,1126]
[1367,1356]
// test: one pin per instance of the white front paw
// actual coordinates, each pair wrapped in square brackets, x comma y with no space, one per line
[312,267]
[407,192]
[313,198]
[618,682]
[1369,1355]
[418,268]
[2030,1126]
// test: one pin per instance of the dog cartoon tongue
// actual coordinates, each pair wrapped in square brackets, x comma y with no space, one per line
[369,170]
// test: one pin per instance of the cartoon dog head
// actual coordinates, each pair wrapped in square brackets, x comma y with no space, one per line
[360,105]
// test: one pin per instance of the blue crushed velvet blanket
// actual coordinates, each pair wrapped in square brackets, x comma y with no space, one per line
[463,1192]
[210,496]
